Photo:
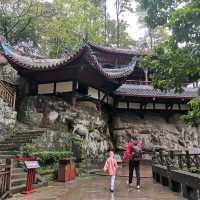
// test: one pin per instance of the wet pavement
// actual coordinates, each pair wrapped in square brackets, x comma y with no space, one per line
[97,188]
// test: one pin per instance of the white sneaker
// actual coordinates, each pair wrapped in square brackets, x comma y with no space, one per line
[138,187]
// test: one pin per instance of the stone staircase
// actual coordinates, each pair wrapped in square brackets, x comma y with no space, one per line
[10,147]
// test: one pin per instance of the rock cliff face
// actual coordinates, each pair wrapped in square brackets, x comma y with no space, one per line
[85,125]
[154,130]
[90,132]
[7,118]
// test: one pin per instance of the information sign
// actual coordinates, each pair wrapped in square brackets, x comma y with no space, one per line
[32,164]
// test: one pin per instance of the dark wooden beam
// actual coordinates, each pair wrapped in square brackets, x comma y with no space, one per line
[73,97]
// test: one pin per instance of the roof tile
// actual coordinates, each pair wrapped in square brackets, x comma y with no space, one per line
[149,91]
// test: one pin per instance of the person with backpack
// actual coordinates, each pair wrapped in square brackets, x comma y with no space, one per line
[133,153]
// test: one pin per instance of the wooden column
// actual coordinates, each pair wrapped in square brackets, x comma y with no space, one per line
[146,76]
[54,87]
[8,169]
[73,98]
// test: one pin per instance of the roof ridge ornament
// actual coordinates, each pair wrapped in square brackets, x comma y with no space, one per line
[66,54]
[2,40]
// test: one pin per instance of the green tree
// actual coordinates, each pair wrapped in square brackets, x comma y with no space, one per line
[178,60]
[125,40]
[121,6]
[73,19]
[17,20]
[152,36]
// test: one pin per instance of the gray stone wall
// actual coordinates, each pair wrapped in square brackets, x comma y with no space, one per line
[155,131]
[89,128]
[85,125]
[7,118]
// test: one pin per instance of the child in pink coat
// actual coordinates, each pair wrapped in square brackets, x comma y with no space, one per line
[111,166]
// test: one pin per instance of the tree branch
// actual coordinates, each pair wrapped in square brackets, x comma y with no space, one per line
[23,13]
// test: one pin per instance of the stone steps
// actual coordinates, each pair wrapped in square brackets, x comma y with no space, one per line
[18,140]
[14,143]
[19,175]
[28,137]
[2,157]
[18,188]
[10,147]
[31,131]
[8,152]
[17,170]
[18,181]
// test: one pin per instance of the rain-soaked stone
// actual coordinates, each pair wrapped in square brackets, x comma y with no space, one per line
[97,188]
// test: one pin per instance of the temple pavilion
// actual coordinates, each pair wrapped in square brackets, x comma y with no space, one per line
[106,76]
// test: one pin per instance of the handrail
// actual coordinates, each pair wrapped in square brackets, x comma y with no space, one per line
[138,82]
[9,88]
[5,180]
[8,94]
[177,160]
[142,82]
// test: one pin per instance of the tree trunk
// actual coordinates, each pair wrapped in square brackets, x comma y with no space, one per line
[151,38]
[105,23]
[117,14]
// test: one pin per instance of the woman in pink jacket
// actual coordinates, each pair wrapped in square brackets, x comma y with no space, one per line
[111,166]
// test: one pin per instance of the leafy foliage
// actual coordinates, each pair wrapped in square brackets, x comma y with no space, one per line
[171,66]
[124,38]
[120,7]
[17,20]
[73,19]
[45,158]
[53,26]
[48,160]
[178,60]
[193,117]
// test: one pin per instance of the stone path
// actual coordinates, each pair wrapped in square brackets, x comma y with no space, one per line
[96,188]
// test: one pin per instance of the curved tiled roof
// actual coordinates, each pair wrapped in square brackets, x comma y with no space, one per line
[41,64]
[149,91]
[36,64]
[131,52]
[110,73]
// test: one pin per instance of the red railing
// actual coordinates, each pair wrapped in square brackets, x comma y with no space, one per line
[8,94]
[5,179]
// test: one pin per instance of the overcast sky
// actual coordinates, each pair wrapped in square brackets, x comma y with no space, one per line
[131,18]
[134,29]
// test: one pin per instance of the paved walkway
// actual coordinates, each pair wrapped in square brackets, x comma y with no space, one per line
[96,188]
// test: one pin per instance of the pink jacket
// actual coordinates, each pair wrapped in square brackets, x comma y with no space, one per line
[111,165]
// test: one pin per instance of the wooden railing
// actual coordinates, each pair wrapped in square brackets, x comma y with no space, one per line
[142,82]
[177,160]
[138,82]
[8,94]
[5,179]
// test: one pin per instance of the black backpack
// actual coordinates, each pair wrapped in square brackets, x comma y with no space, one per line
[136,152]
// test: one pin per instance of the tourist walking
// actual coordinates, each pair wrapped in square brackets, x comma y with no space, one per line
[133,153]
[111,167]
